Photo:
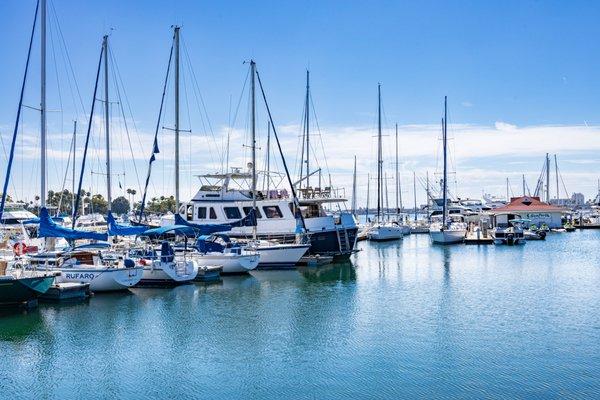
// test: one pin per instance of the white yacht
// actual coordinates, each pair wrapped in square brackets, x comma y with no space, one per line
[164,267]
[219,202]
[218,249]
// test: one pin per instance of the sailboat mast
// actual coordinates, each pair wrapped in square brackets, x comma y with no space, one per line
[415,192]
[547,178]
[176,40]
[253,128]
[444,139]
[43,106]
[369,191]
[354,188]
[556,171]
[107,122]
[73,167]
[379,169]
[268,173]
[507,194]
[397,178]
[524,185]
[307,128]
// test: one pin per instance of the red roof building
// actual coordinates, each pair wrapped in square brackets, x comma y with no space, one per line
[530,207]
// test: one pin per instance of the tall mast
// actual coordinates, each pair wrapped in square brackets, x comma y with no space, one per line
[397,178]
[379,169]
[415,192]
[354,188]
[176,43]
[253,128]
[307,128]
[387,203]
[547,178]
[43,107]
[427,188]
[107,122]
[524,185]
[444,139]
[556,170]
[507,194]
[368,195]
[268,173]
[74,150]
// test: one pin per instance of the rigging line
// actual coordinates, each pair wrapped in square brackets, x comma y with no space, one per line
[76,207]
[62,189]
[60,102]
[117,75]
[287,172]
[6,158]
[14,139]
[198,93]
[187,105]
[154,144]
[237,109]
[316,119]
[68,57]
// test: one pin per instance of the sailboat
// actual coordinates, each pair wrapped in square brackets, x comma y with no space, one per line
[19,285]
[273,255]
[381,230]
[446,230]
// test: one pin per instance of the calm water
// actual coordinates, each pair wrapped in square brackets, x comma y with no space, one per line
[401,320]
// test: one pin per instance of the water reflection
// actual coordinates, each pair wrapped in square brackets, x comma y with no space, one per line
[342,271]
[17,325]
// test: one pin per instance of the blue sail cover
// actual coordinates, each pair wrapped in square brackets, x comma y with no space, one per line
[115,229]
[172,229]
[207,229]
[49,228]
[36,220]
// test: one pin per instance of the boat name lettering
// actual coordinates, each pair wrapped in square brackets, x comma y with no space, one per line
[78,275]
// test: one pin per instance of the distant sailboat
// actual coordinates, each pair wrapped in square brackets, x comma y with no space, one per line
[446,231]
[380,229]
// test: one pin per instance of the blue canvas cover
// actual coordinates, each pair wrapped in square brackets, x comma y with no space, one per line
[175,229]
[115,229]
[49,228]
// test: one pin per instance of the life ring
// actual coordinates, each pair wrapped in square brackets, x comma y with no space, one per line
[19,248]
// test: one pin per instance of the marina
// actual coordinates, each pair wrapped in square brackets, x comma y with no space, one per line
[317,240]
[401,318]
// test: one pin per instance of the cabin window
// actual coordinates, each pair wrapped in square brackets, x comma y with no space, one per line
[247,211]
[201,212]
[272,212]
[213,214]
[232,212]
[189,213]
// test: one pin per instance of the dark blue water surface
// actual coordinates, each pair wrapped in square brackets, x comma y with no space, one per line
[404,319]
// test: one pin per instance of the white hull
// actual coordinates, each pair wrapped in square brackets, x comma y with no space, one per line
[169,273]
[103,279]
[447,236]
[385,232]
[281,255]
[231,263]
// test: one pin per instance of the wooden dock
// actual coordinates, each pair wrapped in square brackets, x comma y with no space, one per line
[478,237]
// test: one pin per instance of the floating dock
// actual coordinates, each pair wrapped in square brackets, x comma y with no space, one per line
[315,261]
[67,291]
[478,237]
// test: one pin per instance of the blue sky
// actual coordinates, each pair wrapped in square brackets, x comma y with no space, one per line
[526,64]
